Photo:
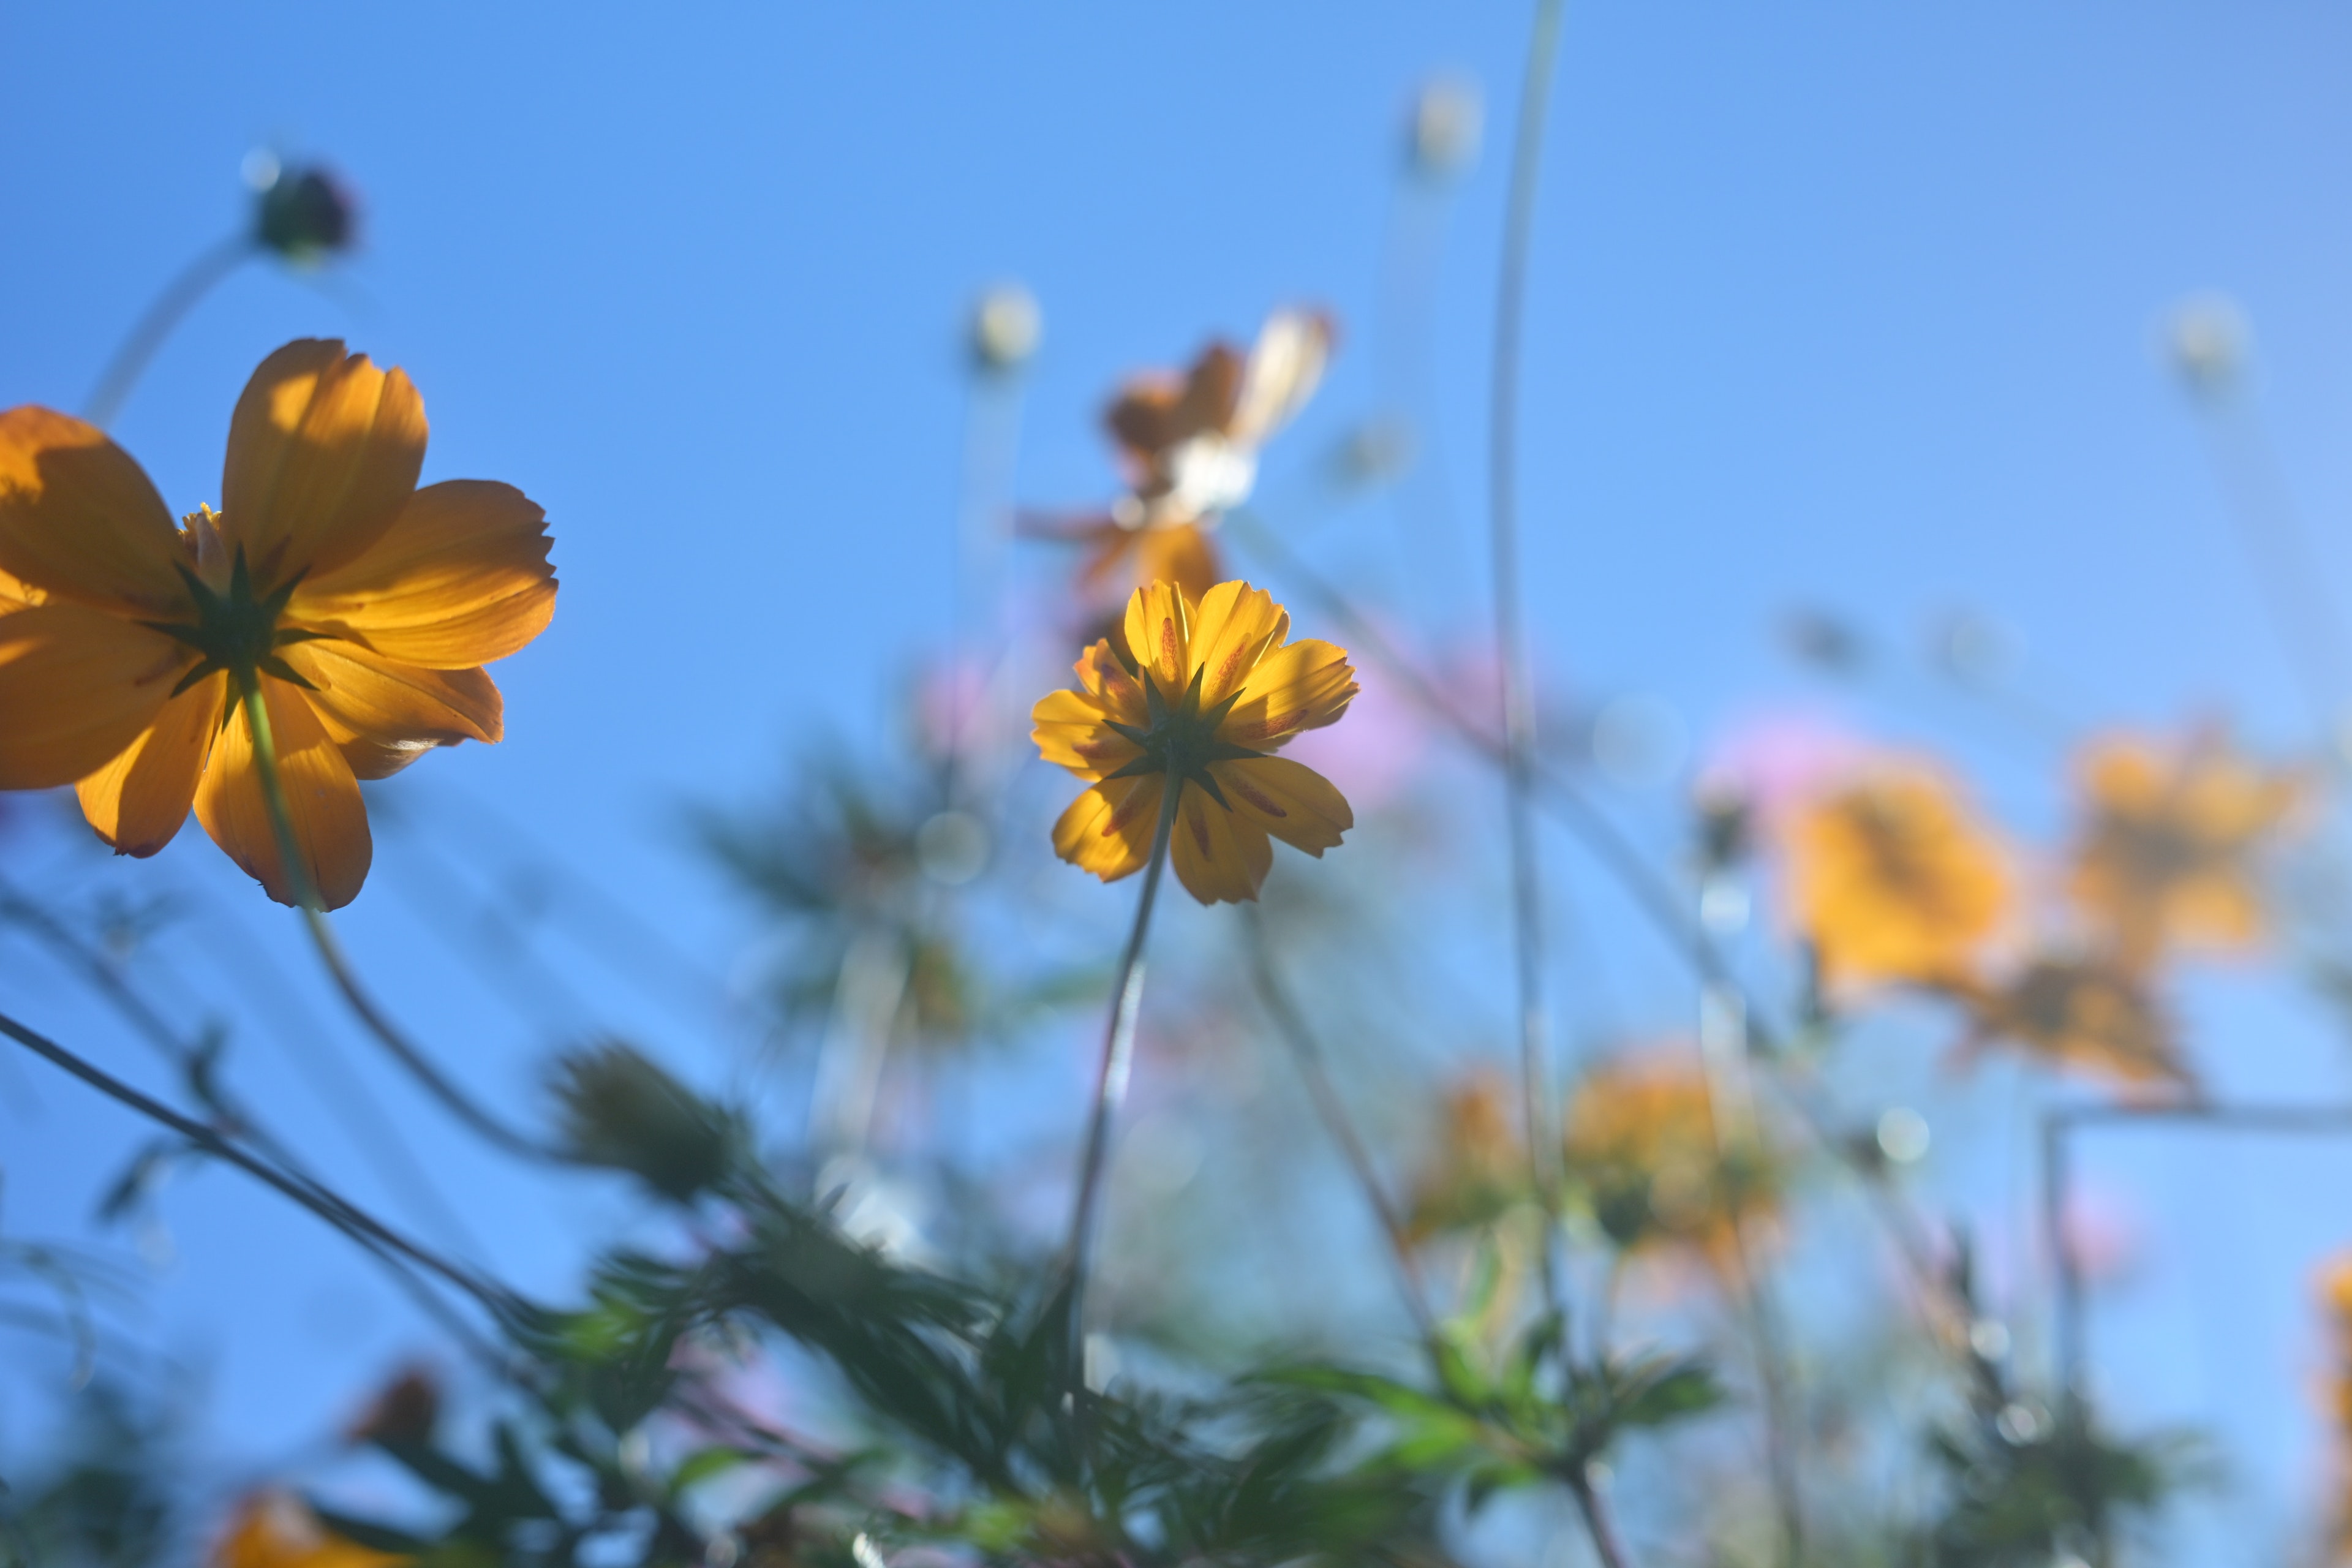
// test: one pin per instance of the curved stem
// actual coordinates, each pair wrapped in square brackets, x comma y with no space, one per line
[1510,633]
[338,966]
[165,311]
[1308,1052]
[1110,1081]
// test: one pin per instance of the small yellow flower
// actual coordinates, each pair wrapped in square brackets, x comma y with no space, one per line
[2082,1013]
[1190,444]
[362,608]
[1216,689]
[1480,1165]
[273,1529]
[1892,879]
[2164,857]
[1645,1147]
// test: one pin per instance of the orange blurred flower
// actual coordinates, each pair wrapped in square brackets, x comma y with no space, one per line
[2335,1302]
[275,1530]
[2164,855]
[2082,1013]
[1220,690]
[1480,1165]
[359,608]
[1893,879]
[1658,1164]
[1189,446]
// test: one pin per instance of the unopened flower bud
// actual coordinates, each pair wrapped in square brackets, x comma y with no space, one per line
[622,1111]
[302,214]
[2207,340]
[1447,117]
[1005,327]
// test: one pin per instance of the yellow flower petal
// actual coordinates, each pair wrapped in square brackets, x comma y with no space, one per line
[1892,879]
[1287,799]
[1106,680]
[384,714]
[461,577]
[1219,857]
[323,453]
[1159,634]
[80,520]
[331,826]
[139,802]
[1235,626]
[1302,686]
[278,1531]
[1070,732]
[1109,829]
[76,685]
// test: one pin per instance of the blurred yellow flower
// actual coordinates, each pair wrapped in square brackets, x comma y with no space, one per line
[1219,689]
[275,1530]
[2081,1012]
[2335,1302]
[360,606]
[1479,1167]
[2164,857]
[1189,445]
[1891,879]
[1657,1165]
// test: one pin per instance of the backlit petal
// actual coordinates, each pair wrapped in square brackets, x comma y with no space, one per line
[1284,369]
[331,826]
[460,578]
[1235,626]
[1287,799]
[1106,680]
[1158,629]
[1219,857]
[1109,829]
[79,519]
[1177,553]
[139,801]
[384,714]
[1303,686]
[323,453]
[1070,732]
[76,685]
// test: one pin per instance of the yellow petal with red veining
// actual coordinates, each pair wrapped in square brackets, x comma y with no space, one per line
[1071,732]
[1302,686]
[1109,829]
[1235,627]
[384,714]
[323,453]
[459,579]
[1287,799]
[80,520]
[1219,857]
[76,685]
[1106,680]
[139,802]
[329,819]
[1159,632]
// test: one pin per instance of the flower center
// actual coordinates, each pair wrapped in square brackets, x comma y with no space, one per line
[235,630]
[1182,738]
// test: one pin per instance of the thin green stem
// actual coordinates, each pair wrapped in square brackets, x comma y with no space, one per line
[338,964]
[1598,1523]
[179,296]
[1308,1052]
[1110,1081]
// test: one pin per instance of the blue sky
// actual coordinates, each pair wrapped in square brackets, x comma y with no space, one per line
[1830,304]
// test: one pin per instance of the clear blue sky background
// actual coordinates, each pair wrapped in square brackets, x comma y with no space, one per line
[1832,303]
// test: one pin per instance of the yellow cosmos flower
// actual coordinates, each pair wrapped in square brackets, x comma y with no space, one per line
[2164,855]
[359,608]
[1892,879]
[2081,1012]
[1643,1144]
[1479,1168]
[1190,444]
[2335,1302]
[1217,690]
[273,1530]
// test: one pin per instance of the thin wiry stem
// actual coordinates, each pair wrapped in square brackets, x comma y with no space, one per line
[1308,1052]
[1110,1081]
[338,966]
[1598,1523]
[192,283]
[1518,712]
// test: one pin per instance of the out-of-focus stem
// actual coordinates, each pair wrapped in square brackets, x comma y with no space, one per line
[192,283]
[1110,1080]
[338,964]
[1308,1052]
[1597,1521]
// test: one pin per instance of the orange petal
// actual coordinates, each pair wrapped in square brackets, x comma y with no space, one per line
[460,578]
[1180,553]
[331,826]
[1070,732]
[1109,829]
[323,452]
[79,519]
[1303,686]
[1287,799]
[138,802]
[385,714]
[76,685]
[1236,624]
[1159,633]
[1219,857]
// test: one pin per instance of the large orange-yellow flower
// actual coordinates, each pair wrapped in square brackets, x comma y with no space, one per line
[1892,879]
[275,1530]
[2165,856]
[359,608]
[1218,690]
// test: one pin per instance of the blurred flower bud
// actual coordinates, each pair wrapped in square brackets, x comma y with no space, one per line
[1377,450]
[1975,649]
[302,214]
[1447,117]
[2207,339]
[1005,327]
[1726,822]
[1821,640]
[406,1411]
[622,1111]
